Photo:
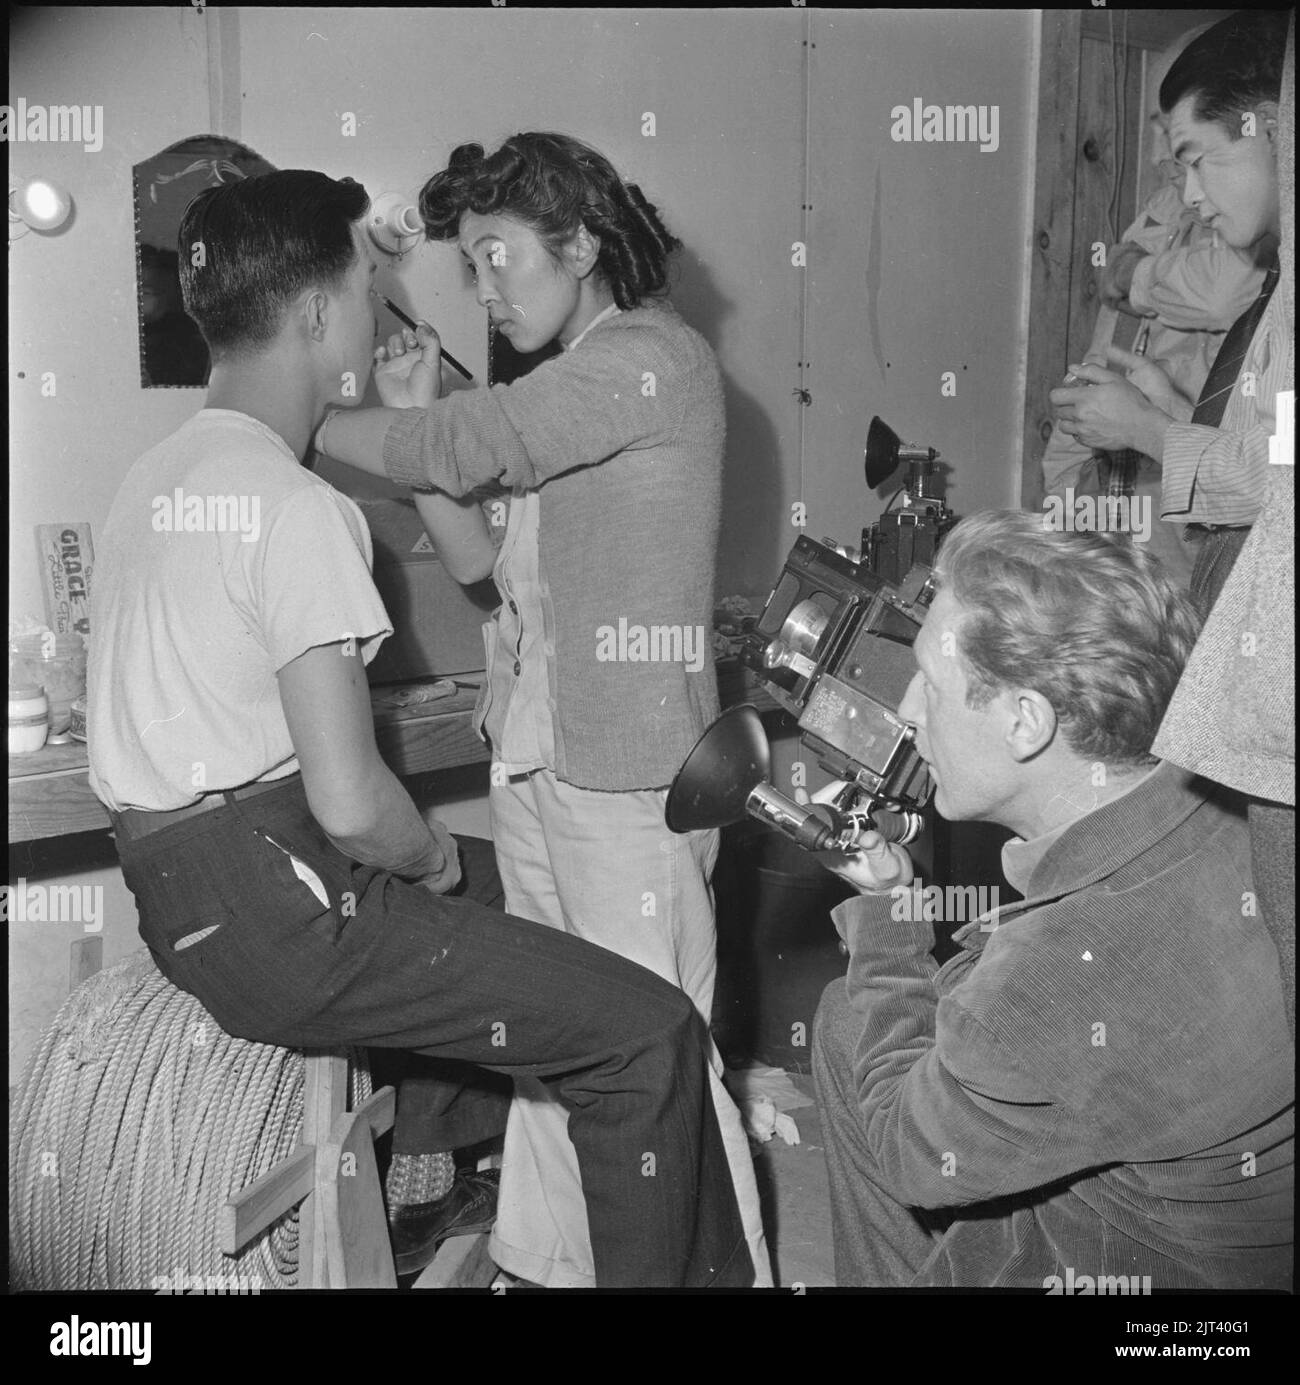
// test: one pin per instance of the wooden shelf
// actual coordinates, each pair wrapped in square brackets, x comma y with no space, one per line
[50,794]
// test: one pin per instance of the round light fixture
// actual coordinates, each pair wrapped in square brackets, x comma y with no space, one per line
[39,205]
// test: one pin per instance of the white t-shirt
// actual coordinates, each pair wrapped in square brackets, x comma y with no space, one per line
[222,560]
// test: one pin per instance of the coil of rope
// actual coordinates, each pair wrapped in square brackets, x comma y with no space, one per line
[136,1118]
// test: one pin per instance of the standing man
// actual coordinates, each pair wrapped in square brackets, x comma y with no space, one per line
[1221,97]
[1189,287]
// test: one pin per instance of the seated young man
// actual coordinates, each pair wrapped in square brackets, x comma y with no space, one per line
[282,873]
[1221,99]
[1101,1083]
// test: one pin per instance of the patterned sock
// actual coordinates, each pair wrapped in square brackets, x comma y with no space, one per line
[415,1178]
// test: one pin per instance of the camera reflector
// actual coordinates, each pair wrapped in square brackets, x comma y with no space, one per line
[728,762]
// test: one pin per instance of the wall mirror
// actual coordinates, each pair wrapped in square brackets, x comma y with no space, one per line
[172,352]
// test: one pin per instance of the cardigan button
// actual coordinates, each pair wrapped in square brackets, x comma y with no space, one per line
[519,668]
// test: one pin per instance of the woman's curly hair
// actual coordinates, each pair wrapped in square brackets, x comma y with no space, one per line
[556,184]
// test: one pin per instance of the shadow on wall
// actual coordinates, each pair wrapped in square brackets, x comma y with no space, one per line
[755,531]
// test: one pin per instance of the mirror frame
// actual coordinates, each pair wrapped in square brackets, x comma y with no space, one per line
[199,162]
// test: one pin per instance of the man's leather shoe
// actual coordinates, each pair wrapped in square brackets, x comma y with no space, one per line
[419,1229]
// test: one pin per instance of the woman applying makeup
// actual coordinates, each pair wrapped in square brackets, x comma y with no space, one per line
[599,670]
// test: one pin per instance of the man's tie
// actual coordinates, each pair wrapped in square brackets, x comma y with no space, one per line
[1222,378]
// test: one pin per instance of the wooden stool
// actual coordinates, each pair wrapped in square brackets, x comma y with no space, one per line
[343,1230]
[343,1238]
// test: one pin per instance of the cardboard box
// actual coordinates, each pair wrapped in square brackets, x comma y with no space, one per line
[67,559]
[437,622]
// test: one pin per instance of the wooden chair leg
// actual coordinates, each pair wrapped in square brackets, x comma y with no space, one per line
[358,1252]
[333,1178]
[325,1098]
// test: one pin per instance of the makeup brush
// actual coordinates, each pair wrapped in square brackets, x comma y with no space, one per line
[402,317]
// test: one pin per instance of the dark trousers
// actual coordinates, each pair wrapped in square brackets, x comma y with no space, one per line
[879,1242]
[389,965]
[444,1105]
[1272,855]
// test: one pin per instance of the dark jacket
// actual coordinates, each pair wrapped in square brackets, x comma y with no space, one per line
[1102,1080]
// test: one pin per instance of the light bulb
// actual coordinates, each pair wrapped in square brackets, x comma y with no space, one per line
[43,205]
[394,223]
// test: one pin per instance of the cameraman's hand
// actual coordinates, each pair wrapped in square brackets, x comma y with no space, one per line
[408,371]
[875,867]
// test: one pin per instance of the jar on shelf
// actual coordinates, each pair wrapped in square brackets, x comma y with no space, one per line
[29,718]
[56,663]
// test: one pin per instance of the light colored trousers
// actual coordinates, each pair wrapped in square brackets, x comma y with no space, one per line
[604,867]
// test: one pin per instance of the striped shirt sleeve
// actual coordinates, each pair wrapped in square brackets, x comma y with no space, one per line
[1217,475]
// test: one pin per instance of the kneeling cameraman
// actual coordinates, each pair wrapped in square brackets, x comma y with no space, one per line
[1101,1080]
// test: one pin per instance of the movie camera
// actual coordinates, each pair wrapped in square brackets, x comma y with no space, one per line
[833,647]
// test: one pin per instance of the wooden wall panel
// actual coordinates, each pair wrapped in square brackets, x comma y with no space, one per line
[1052,236]
[1105,157]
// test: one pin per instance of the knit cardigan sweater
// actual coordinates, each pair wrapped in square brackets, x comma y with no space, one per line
[623,436]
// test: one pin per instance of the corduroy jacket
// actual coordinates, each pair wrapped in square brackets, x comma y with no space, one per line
[624,437]
[1102,1081]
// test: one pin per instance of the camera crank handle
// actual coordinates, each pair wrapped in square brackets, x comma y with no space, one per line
[902,827]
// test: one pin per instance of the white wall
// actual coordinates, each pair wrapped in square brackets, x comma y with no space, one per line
[723,166]
[72,323]
[916,255]
[735,136]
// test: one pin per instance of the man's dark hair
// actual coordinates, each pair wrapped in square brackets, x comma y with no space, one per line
[264,239]
[1230,69]
[556,184]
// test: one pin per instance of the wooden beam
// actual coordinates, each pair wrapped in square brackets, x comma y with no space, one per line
[1149,29]
[1103,160]
[87,959]
[251,1210]
[1052,246]
[352,1223]
[325,1098]
[461,1263]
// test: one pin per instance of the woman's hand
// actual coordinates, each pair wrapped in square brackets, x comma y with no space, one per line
[408,371]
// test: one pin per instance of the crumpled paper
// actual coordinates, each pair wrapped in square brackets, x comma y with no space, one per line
[411,694]
[764,1095]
